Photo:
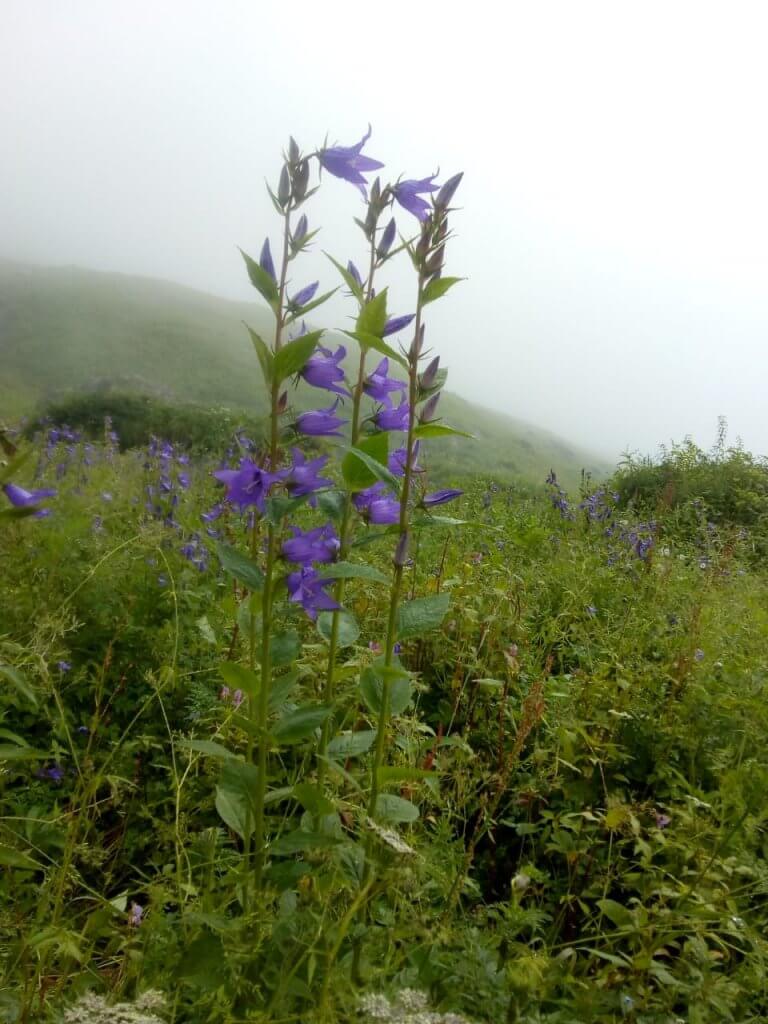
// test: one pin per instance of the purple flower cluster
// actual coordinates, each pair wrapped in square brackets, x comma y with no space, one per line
[307,549]
[558,497]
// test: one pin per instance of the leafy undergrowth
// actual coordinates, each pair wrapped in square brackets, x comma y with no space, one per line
[574,791]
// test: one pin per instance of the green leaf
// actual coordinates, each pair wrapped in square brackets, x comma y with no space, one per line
[351,744]
[263,282]
[299,841]
[297,725]
[206,630]
[403,773]
[355,476]
[352,571]
[312,799]
[373,315]
[438,287]
[281,689]
[414,618]
[11,858]
[240,678]
[616,913]
[19,683]
[285,648]
[372,688]
[370,341]
[332,503]
[349,280]
[292,357]
[209,747]
[11,752]
[248,612]
[439,430]
[280,506]
[347,631]
[266,359]
[235,795]
[240,566]
[395,809]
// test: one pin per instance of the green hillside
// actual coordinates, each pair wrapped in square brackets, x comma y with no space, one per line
[67,329]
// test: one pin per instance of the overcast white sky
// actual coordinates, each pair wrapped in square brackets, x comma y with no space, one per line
[615,204]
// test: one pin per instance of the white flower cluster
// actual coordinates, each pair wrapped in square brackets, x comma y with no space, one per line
[93,1009]
[408,1007]
[391,839]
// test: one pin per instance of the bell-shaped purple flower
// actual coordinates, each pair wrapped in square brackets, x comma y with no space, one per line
[308,589]
[379,386]
[408,194]
[396,323]
[322,370]
[265,260]
[19,497]
[318,545]
[302,477]
[347,162]
[321,422]
[393,417]
[396,460]
[248,485]
[377,505]
[305,295]
[440,497]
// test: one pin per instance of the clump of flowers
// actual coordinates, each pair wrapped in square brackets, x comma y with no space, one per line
[94,1009]
[408,1006]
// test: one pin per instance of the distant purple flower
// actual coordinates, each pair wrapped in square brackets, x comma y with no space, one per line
[397,323]
[248,485]
[135,914]
[305,295]
[374,646]
[212,514]
[225,693]
[662,820]
[440,497]
[379,386]
[302,477]
[347,162]
[322,370]
[408,194]
[591,611]
[698,654]
[397,648]
[237,698]
[447,192]
[386,240]
[320,422]
[54,774]
[306,588]
[21,498]
[184,481]
[265,260]
[318,545]
[63,666]
[393,418]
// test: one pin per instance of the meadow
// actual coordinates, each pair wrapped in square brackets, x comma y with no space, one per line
[298,725]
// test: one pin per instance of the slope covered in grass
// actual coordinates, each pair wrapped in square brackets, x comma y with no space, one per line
[68,329]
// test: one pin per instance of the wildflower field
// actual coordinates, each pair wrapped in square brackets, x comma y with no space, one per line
[290,734]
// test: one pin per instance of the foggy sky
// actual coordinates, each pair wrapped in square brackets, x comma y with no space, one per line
[614,228]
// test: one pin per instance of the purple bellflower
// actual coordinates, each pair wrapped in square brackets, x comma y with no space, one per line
[393,417]
[396,323]
[318,545]
[306,588]
[21,498]
[347,162]
[396,460]
[248,485]
[302,477]
[408,194]
[379,386]
[305,295]
[377,505]
[322,370]
[320,422]
[265,260]
[440,497]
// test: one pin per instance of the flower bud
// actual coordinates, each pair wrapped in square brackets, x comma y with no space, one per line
[301,229]
[301,180]
[435,261]
[284,188]
[282,403]
[447,192]
[428,378]
[427,413]
[387,238]
[417,344]
[293,151]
